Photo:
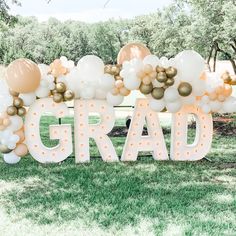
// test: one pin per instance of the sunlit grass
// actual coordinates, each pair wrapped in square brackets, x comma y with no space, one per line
[142,198]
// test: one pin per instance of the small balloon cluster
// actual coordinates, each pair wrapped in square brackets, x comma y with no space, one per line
[169,84]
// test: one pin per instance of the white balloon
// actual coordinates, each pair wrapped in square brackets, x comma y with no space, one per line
[28,98]
[90,68]
[206,108]
[199,87]
[16,123]
[229,106]
[190,65]
[171,94]
[189,100]
[114,100]
[174,107]
[107,82]
[157,105]
[215,106]
[87,93]
[11,158]
[100,94]
[73,82]
[151,60]
[42,92]
[164,61]
[205,99]
[132,82]
[44,69]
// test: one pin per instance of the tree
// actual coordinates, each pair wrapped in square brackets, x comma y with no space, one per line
[213,28]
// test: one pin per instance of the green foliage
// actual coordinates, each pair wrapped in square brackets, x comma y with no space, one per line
[202,25]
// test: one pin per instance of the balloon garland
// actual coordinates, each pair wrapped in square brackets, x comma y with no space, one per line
[169,84]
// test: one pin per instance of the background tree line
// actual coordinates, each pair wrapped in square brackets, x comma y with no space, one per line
[208,27]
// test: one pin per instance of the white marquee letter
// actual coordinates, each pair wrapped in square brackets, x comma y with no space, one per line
[180,149]
[135,142]
[62,132]
[84,130]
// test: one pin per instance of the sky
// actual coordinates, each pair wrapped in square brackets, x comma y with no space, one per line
[87,10]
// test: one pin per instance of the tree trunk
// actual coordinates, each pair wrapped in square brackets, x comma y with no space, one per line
[209,58]
[214,62]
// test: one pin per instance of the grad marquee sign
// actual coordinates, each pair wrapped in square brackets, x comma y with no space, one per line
[178,86]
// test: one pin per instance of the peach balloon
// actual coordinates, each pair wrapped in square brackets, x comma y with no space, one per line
[132,50]
[227,90]
[21,135]
[57,69]
[23,76]
[21,150]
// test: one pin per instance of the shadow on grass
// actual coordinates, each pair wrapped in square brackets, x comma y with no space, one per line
[115,195]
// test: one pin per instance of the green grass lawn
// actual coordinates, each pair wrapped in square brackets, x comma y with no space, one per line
[142,198]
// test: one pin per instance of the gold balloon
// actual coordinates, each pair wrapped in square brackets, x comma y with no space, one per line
[164,110]
[107,69]
[226,77]
[18,102]
[115,70]
[4,149]
[161,77]
[21,111]
[131,51]
[171,72]
[57,97]
[13,93]
[160,69]
[11,111]
[233,80]
[146,88]
[69,95]
[185,89]
[169,82]
[158,93]
[23,76]
[60,87]
[118,77]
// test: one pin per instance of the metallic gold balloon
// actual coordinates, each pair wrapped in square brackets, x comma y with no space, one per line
[233,80]
[69,95]
[4,149]
[18,102]
[118,77]
[53,91]
[158,93]
[115,70]
[107,69]
[185,89]
[226,77]
[57,97]
[11,110]
[171,72]
[60,87]
[13,93]
[161,77]
[160,69]
[169,82]
[21,111]
[146,88]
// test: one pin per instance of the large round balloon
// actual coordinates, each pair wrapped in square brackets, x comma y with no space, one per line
[132,50]
[23,76]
